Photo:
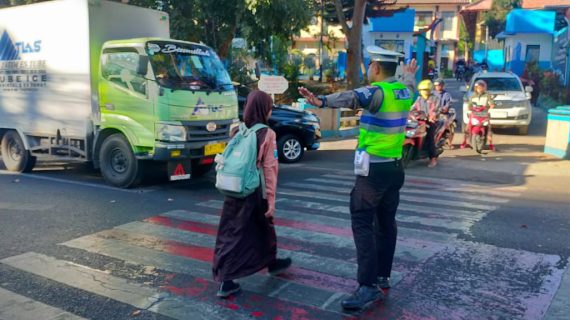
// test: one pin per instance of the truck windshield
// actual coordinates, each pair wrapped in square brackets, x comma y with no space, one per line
[183,66]
[501,84]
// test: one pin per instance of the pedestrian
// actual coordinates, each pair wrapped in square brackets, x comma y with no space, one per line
[376,194]
[428,104]
[246,242]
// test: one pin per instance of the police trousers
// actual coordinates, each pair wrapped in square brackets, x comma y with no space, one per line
[373,204]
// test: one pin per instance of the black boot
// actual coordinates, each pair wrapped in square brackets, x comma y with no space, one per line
[362,297]
[384,283]
[227,288]
[279,266]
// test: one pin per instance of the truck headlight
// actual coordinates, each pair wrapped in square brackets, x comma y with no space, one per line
[172,133]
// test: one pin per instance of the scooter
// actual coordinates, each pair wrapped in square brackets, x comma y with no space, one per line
[479,120]
[415,147]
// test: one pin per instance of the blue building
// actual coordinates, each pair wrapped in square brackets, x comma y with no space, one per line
[529,36]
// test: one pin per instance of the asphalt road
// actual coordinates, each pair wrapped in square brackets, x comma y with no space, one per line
[480,237]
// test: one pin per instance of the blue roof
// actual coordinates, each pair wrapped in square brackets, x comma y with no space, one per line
[530,21]
[399,22]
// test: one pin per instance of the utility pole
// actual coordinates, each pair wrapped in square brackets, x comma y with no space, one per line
[321,42]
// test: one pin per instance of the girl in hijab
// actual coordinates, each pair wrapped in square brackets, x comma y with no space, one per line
[246,242]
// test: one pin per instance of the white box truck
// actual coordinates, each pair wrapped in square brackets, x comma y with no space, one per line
[102,82]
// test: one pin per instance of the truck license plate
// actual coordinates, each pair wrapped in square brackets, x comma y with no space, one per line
[214,148]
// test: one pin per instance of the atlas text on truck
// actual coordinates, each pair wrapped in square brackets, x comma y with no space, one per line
[102,82]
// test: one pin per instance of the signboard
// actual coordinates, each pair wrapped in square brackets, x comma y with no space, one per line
[273,84]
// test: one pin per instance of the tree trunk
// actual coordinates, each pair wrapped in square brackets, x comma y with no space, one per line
[355,45]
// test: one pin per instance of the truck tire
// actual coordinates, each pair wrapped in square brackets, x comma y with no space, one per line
[118,163]
[290,149]
[16,158]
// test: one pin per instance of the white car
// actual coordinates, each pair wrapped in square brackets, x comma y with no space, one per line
[512,101]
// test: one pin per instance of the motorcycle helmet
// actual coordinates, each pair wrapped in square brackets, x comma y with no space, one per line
[480,83]
[425,85]
[439,81]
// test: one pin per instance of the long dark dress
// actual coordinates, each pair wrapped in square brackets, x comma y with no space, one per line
[246,241]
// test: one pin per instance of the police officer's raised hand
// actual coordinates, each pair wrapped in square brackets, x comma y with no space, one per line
[310,97]
[411,67]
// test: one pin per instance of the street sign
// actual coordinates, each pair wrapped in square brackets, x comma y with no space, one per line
[273,84]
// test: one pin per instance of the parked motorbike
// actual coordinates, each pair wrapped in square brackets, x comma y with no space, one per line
[415,147]
[479,120]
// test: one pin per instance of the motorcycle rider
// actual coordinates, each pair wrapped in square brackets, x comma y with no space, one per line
[442,94]
[480,98]
[429,104]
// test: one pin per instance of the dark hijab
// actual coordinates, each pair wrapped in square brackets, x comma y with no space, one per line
[257,108]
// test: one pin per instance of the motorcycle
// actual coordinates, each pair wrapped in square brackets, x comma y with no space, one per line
[415,147]
[479,120]
[460,73]
[432,74]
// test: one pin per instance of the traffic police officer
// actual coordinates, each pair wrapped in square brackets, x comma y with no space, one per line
[376,194]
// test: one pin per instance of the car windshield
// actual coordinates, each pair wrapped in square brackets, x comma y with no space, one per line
[501,84]
[187,66]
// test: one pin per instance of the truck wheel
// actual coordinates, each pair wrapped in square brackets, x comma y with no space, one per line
[523,131]
[16,157]
[199,170]
[119,165]
[290,149]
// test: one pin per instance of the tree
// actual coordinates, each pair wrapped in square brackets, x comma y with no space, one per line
[496,18]
[216,23]
[356,12]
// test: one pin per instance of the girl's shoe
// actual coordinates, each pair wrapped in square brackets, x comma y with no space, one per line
[227,288]
[279,266]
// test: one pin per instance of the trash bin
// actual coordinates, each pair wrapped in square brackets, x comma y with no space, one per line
[558,132]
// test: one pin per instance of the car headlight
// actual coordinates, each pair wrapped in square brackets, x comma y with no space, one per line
[474,122]
[172,133]
[410,133]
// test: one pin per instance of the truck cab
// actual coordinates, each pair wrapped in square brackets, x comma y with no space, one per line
[173,101]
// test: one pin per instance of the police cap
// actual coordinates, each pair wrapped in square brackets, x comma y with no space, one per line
[382,55]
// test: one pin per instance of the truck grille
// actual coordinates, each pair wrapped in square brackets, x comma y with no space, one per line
[197,131]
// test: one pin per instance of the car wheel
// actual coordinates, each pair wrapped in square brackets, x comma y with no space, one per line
[16,158]
[290,149]
[119,166]
[523,131]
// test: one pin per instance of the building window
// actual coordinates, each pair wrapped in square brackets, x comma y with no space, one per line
[532,53]
[423,18]
[448,19]
[394,45]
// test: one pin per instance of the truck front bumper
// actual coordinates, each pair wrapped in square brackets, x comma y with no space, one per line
[169,151]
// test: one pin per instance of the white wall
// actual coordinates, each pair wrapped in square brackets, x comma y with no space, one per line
[543,40]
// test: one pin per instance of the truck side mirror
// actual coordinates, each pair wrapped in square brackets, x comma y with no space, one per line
[142,68]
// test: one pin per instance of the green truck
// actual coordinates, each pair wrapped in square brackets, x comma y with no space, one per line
[102,82]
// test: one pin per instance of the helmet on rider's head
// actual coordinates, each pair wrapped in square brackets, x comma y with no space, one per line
[439,82]
[481,83]
[425,85]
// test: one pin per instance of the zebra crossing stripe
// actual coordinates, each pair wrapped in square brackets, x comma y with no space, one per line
[406,233]
[431,200]
[16,307]
[257,283]
[101,283]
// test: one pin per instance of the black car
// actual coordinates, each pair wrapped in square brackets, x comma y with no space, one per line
[296,130]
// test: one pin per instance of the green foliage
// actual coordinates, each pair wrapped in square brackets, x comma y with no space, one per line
[239,68]
[465,44]
[497,16]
